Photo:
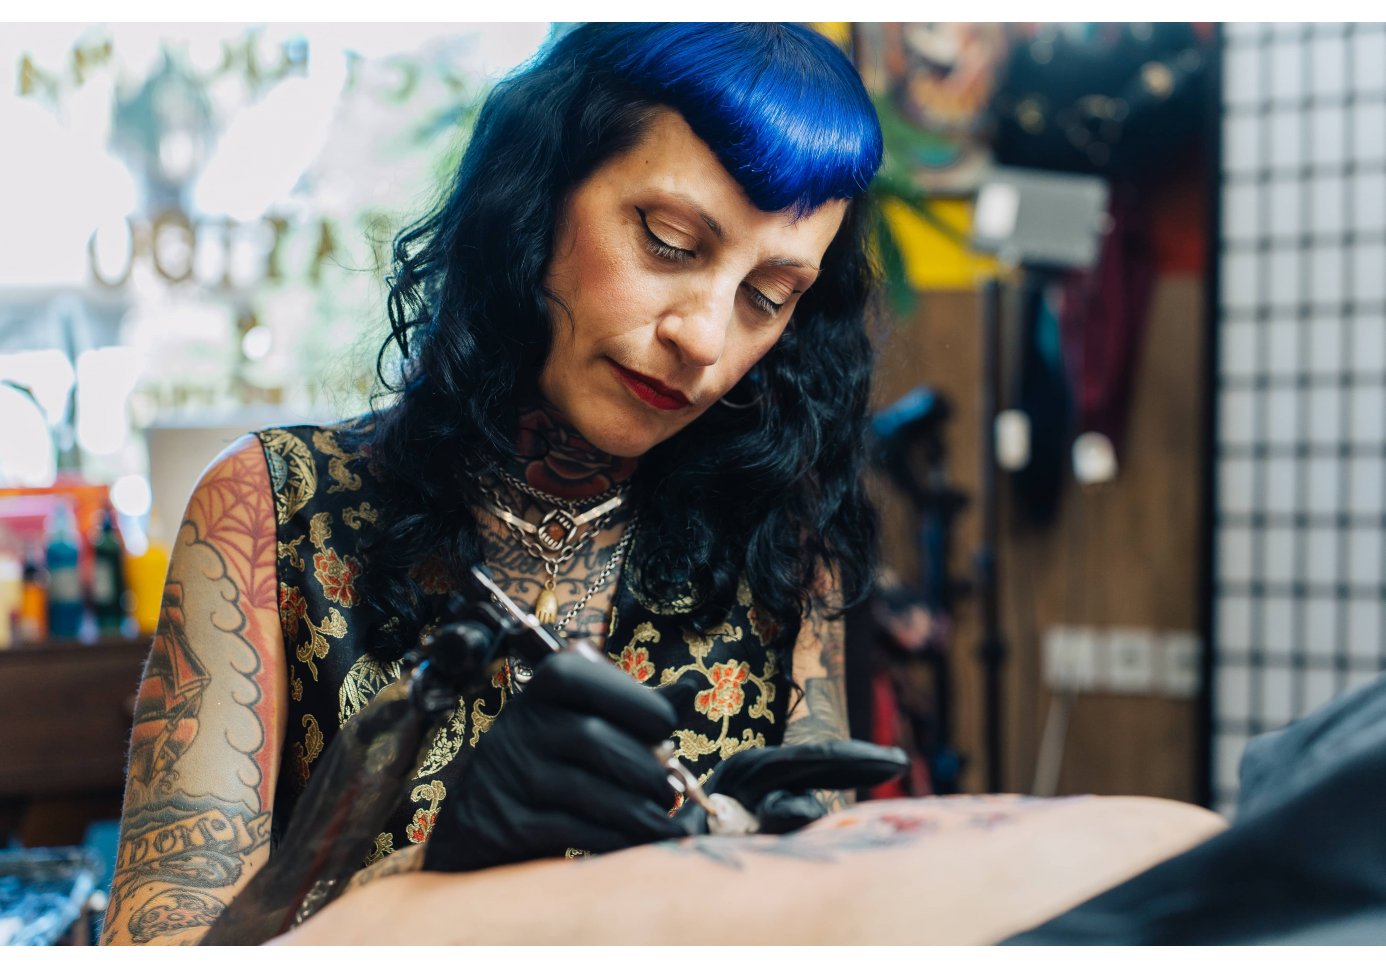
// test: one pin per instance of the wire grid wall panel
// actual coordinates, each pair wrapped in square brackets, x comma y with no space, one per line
[1299,580]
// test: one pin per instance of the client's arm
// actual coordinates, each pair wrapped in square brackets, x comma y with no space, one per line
[948,870]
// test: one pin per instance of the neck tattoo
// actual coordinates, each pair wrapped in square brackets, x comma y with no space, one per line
[557,460]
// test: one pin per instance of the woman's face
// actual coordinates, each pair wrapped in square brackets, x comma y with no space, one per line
[677,284]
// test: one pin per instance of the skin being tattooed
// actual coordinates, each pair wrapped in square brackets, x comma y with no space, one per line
[204,747]
[881,825]
[819,669]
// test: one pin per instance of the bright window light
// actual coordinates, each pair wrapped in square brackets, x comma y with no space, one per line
[131,495]
[26,447]
[243,180]
[46,374]
[105,378]
[257,342]
[58,188]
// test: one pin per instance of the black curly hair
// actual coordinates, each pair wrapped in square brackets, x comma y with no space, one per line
[772,493]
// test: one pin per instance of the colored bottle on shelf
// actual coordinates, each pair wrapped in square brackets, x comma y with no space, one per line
[65,605]
[108,577]
[11,596]
[33,604]
[146,570]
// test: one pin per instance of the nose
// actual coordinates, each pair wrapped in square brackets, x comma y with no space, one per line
[696,327]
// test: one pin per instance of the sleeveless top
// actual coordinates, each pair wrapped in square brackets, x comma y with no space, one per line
[733,685]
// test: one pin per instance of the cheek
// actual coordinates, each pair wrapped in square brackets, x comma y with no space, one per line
[601,283]
[753,350]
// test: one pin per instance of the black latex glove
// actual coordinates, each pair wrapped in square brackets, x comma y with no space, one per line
[775,782]
[568,764]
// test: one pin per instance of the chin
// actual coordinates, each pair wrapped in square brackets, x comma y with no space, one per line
[626,435]
[626,442]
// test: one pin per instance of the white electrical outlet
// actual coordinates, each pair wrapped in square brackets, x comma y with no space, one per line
[1070,658]
[1181,665]
[1127,663]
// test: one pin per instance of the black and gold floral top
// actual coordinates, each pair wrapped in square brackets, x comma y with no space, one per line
[733,684]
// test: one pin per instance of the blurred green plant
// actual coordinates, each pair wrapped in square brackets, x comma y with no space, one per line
[897,183]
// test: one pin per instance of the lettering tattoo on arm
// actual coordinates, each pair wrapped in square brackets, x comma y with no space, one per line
[198,793]
[820,669]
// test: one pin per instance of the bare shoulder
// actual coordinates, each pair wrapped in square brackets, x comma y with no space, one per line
[204,750]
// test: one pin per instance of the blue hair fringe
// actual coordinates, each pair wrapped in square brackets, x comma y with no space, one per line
[796,132]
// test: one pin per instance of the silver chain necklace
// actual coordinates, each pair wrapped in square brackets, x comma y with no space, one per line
[553,500]
[521,672]
[617,554]
[554,541]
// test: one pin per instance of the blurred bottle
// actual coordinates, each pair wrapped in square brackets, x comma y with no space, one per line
[11,595]
[108,577]
[146,569]
[33,605]
[65,605]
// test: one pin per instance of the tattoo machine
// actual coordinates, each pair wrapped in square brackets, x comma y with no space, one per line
[512,629]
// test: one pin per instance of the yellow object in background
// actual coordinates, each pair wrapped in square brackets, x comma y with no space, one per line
[33,607]
[838,31]
[145,574]
[11,595]
[934,259]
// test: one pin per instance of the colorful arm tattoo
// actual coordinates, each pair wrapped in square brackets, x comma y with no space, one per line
[204,748]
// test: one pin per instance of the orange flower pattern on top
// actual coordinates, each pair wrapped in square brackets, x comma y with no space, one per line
[737,700]
[426,817]
[635,662]
[292,610]
[337,576]
[726,697]
[422,826]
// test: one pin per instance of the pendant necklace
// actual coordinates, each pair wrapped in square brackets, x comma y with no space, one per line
[559,536]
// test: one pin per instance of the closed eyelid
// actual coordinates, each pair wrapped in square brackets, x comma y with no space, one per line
[778,286]
[667,232]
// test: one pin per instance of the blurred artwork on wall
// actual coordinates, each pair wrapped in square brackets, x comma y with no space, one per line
[936,80]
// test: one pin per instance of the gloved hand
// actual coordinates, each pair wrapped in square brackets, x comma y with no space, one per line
[774,783]
[567,764]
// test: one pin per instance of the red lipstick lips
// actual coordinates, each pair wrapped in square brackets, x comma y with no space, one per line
[649,390]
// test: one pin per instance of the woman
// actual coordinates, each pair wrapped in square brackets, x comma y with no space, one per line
[632,379]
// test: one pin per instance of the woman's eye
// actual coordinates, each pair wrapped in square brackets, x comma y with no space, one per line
[763,302]
[658,246]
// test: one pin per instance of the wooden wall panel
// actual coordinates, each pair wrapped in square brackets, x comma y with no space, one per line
[1124,554]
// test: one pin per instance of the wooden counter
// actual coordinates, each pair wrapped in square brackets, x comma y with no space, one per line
[65,716]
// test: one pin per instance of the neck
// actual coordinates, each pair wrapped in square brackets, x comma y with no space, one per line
[556,459]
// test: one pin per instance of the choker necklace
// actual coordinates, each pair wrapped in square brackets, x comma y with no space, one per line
[555,540]
[553,500]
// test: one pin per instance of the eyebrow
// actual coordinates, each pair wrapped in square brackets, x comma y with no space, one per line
[716,227]
[791,263]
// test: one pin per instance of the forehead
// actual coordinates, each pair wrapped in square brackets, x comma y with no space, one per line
[671,158]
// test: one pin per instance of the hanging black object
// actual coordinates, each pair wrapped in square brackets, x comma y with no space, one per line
[1120,100]
[908,443]
[1044,396]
